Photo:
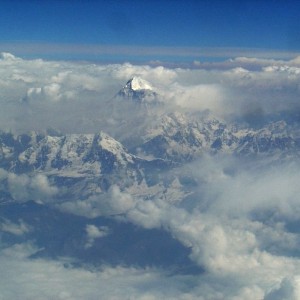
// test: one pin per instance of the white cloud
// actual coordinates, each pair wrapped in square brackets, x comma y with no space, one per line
[198,97]
[7,56]
[289,289]
[23,187]
[119,202]
[3,174]
[48,279]
[19,228]
[94,232]
[44,279]
[18,186]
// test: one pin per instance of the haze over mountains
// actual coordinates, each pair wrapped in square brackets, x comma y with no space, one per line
[190,179]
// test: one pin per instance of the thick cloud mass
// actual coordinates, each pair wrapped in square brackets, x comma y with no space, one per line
[240,221]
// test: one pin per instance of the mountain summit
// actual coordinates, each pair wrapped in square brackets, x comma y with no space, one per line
[137,83]
[139,90]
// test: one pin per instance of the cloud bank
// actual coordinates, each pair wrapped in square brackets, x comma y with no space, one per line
[74,97]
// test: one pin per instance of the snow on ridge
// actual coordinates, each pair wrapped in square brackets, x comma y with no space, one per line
[110,144]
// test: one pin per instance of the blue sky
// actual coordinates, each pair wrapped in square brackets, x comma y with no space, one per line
[58,28]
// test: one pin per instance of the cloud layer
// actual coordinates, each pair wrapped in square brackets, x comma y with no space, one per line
[72,97]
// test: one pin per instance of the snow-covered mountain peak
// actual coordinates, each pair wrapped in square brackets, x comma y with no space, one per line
[136,84]
[109,144]
[140,91]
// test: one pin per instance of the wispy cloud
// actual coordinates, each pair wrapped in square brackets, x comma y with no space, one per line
[139,52]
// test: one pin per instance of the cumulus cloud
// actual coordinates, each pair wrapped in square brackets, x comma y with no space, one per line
[24,187]
[94,232]
[114,202]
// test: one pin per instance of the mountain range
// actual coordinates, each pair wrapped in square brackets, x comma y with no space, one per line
[85,165]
